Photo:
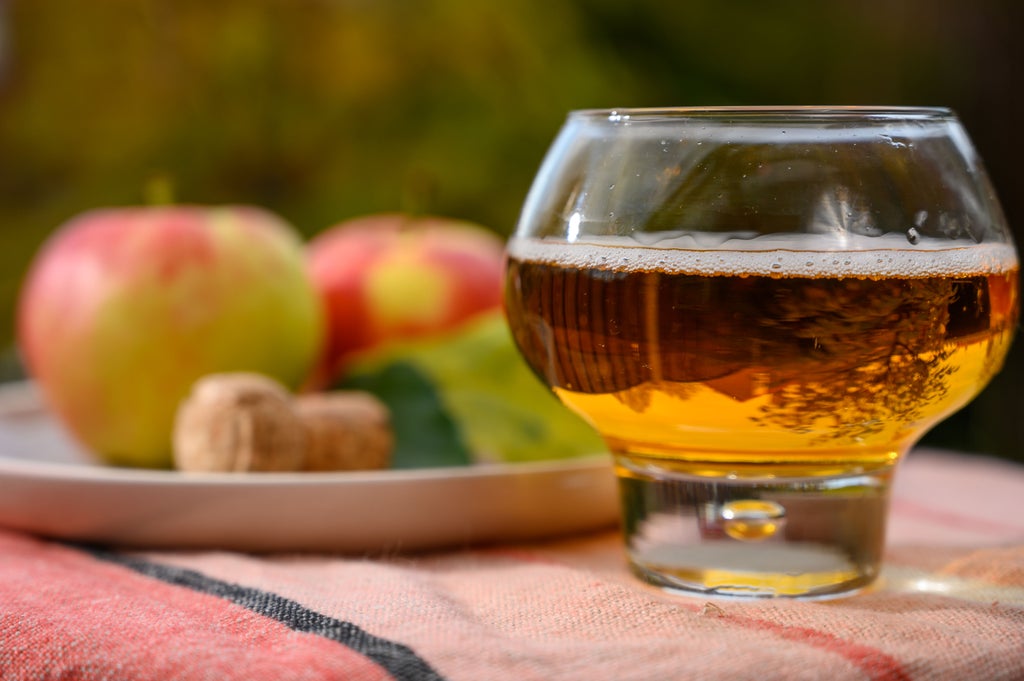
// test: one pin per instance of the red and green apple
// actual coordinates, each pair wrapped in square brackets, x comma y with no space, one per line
[123,309]
[393,277]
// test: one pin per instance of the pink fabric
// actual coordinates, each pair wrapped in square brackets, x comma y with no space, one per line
[950,606]
[65,615]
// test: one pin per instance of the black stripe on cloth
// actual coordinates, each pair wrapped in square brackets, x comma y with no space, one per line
[399,660]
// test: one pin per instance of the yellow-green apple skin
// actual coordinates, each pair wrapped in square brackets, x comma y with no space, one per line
[124,308]
[395,277]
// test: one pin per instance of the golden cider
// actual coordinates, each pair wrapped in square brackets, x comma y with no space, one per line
[772,362]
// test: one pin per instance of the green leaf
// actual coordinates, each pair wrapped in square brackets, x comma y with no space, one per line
[425,435]
[501,410]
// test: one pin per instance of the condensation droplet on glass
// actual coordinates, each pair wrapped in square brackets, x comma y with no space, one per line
[913,236]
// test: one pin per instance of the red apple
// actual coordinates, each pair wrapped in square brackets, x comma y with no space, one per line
[124,308]
[392,277]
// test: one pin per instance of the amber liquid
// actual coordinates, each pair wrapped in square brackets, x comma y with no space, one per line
[729,369]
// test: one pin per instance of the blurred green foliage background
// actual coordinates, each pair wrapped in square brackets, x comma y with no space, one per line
[326,109]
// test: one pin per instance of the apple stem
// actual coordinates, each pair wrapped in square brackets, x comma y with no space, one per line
[159,190]
[419,194]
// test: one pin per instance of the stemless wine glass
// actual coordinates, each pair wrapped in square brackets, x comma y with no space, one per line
[761,310]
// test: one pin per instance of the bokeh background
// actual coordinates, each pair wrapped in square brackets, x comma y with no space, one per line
[326,109]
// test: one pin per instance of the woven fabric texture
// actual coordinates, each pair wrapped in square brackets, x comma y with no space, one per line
[950,605]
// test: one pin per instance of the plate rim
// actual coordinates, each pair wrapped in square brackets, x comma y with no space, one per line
[83,472]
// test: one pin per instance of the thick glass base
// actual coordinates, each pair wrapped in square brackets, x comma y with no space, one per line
[764,537]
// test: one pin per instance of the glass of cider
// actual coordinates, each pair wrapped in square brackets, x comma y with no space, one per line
[761,310]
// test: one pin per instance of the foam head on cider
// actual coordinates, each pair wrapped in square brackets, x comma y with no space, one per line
[777,255]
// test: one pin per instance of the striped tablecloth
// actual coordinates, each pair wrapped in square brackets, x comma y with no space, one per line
[950,606]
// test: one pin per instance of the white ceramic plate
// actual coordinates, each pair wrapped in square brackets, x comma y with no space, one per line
[49,486]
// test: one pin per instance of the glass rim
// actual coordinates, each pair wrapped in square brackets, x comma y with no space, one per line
[772,113]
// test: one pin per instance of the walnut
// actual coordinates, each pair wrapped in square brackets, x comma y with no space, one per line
[250,422]
[345,430]
[238,422]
